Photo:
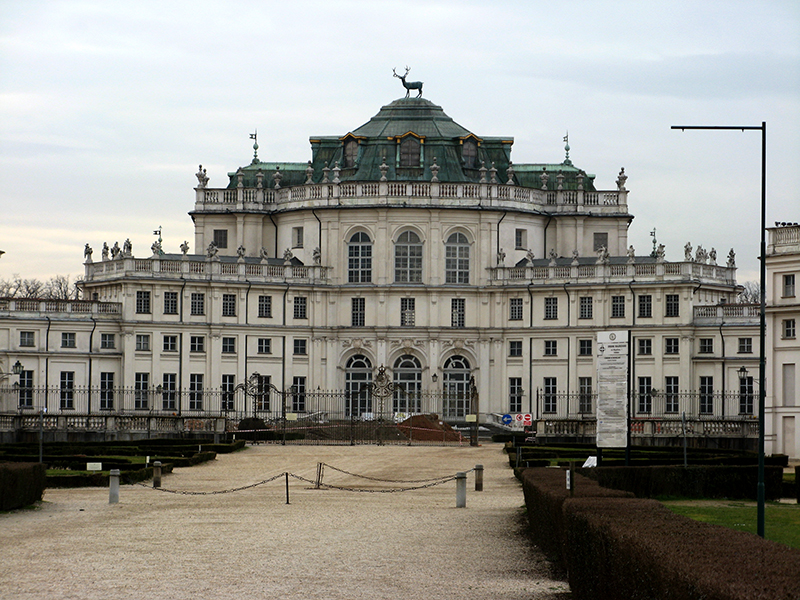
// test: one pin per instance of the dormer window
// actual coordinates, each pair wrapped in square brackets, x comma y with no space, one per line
[469,154]
[409,152]
[350,153]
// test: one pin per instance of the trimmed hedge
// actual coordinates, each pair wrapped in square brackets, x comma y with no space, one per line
[21,484]
[100,479]
[632,549]
[614,546]
[690,482]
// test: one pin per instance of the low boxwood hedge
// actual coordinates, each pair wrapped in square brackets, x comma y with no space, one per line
[21,484]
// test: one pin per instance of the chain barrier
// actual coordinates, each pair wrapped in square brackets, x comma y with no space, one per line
[448,477]
[375,491]
[239,489]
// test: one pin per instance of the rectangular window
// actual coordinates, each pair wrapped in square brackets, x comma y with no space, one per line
[197,343]
[515,309]
[300,307]
[515,348]
[407,312]
[617,307]
[221,238]
[671,394]
[645,346]
[297,237]
[298,394]
[645,394]
[226,389]
[106,391]
[458,309]
[745,345]
[142,302]
[515,394]
[169,391]
[197,305]
[789,329]
[141,385]
[550,308]
[671,345]
[521,239]
[706,395]
[67,340]
[672,306]
[584,395]
[586,307]
[170,343]
[67,390]
[645,306]
[195,391]
[26,389]
[551,347]
[600,240]
[108,341]
[26,339]
[706,345]
[142,342]
[584,347]
[300,347]
[357,312]
[265,307]
[265,345]
[746,396]
[262,392]
[549,398]
[788,286]
[170,303]
[229,345]
[228,305]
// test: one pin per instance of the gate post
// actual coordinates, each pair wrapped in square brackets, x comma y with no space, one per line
[478,478]
[461,490]
[113,486]
[157,474]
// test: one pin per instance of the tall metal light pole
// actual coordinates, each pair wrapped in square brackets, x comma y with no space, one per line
[762,387]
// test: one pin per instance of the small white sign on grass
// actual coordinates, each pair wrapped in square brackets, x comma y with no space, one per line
[94,466]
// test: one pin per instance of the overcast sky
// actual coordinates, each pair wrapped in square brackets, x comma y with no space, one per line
[107,107]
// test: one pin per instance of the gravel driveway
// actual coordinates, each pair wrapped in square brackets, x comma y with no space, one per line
[326,543]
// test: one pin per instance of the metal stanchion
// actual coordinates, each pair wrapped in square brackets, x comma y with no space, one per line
[478,478]
[113,486]
[461,490]
[157,474]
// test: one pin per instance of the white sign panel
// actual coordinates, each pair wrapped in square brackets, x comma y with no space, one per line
[612,389]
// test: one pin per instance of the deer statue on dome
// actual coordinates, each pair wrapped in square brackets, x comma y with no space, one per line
[410,85]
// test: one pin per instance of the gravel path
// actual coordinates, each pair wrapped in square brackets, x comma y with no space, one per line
[250,544]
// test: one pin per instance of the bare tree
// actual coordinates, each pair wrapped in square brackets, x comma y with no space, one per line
[58,287]
[750,294]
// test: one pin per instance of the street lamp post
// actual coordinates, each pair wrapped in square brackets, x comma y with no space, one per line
[763,320]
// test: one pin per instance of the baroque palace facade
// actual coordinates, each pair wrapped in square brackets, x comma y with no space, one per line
[409,246]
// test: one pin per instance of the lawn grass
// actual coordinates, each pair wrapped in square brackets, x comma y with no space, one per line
[781,521]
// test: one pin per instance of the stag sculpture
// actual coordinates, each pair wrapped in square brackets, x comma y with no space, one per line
[409,85]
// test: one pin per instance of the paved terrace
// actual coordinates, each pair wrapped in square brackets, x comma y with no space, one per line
[250,544]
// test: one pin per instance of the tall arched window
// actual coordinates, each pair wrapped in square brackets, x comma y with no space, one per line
[357,383]
[407,385]
[456,387]
[350,153]
[359,259]
[408,258]
[456,259]
[409,152]
[469,153]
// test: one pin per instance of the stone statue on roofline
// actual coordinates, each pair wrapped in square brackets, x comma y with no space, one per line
[263,254]
[501,257]
[115,251]
[212,250]
[731,259]
[712,256]
[287,256]
[202,178]
[602,255]
[240,251]
[660,253]
[687,252]
[552,256]
[621,179]
[529,255]
[106,250]
[127,248]
[87,253]
[185,247]
[156,248]
[631,255]
[575,255]
[316,255]
[700,256]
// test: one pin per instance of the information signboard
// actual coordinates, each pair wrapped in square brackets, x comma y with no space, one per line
[612,389]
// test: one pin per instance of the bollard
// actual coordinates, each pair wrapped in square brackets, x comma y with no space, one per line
[461,490]
[113,486]
[157,474]
[478,478]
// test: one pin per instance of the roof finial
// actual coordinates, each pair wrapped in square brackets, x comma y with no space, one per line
[254,136]
[567,161]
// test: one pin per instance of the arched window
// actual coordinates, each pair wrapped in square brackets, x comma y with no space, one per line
[408,258]
[456,259]
[407,385]
[359,259]
[357,384]
[409,152]
[469,153]
[350,153]
[456,387]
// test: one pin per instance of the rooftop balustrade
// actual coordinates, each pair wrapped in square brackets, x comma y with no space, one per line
[86,307]
[746,314]
[412,194]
